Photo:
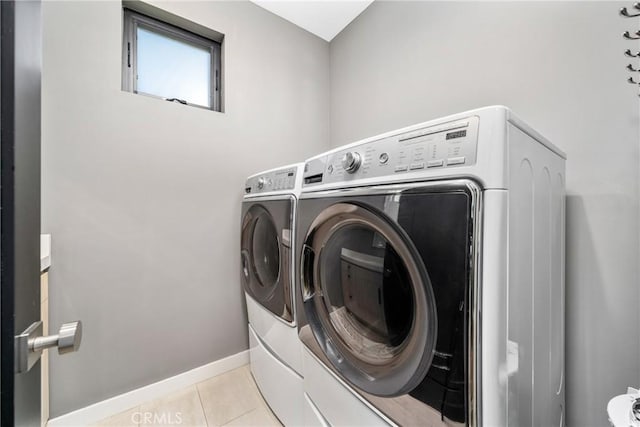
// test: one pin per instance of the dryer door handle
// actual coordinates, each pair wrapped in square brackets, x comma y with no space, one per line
[308,287]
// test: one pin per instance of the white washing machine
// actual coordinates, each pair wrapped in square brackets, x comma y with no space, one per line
[431,289]
[267,271]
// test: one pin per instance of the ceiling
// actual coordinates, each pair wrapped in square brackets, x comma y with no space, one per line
[324,18]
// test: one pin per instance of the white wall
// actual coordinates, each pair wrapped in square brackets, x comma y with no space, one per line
[560,66]
[142,196]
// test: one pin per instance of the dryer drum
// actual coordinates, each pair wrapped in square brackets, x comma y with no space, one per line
[368,299]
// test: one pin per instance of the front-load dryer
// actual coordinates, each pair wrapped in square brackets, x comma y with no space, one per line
[267,270]
[431,289]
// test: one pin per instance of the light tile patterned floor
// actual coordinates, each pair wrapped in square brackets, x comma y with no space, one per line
[230,399]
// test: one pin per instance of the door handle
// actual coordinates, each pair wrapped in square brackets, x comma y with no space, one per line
[30,344]
[308,287]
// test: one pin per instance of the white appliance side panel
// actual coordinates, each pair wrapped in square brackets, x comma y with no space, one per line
[496,361]
[281,338]
[491,168]
[312,416]
[536,282]
[338,405]
[281,388]
[557,356]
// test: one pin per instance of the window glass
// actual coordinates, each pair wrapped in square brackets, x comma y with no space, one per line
[172,59]
[173,68]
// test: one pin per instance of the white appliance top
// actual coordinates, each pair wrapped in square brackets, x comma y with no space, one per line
[278,181]
[440,148]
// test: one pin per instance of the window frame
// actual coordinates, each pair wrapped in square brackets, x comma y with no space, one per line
[132,20]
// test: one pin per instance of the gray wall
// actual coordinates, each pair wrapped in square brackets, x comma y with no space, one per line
[142,196]
[560,66]
[139,193]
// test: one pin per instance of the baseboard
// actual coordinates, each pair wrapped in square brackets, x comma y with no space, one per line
[101,410]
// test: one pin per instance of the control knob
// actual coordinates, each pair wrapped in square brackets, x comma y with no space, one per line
[351,161]
[261,182]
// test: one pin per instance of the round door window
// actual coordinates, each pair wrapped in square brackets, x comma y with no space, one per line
[260,250]
[368,299]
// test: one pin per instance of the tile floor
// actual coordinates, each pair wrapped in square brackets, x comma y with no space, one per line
[230,399]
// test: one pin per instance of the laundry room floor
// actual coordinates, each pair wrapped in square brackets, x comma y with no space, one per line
[230,399]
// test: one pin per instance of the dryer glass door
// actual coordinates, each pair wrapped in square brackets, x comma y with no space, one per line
[260,252]
[266,253]
[368,299]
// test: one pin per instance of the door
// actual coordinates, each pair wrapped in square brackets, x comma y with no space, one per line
[388,284]
[266,254]
[368,297]
[20,50]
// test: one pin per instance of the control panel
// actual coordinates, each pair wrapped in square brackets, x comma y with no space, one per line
[276,180]
[452,144]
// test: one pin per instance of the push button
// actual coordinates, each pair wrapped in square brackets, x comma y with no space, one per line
[401,168]
[416,166]
[455,161]
[434,163]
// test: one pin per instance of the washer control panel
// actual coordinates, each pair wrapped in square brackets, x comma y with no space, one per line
[276,180]
[448,145]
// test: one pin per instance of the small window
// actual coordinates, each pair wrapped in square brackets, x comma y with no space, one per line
[169,62]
